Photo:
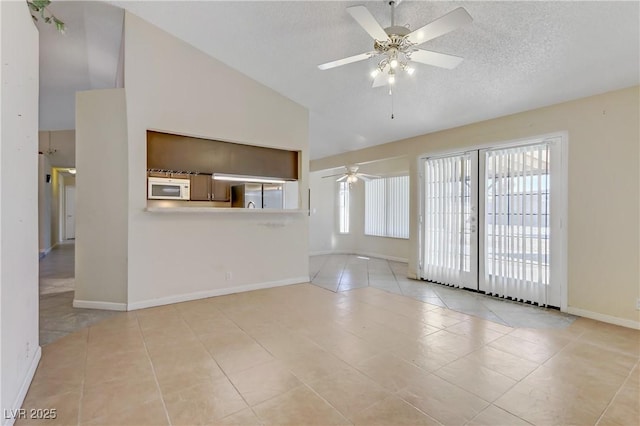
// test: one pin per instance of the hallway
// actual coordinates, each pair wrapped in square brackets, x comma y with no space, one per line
[58,317]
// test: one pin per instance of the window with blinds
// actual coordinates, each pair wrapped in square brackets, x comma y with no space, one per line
[386,211]
[343,207]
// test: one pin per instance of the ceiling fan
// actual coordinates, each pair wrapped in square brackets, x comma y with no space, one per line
[397,44]
[352,175]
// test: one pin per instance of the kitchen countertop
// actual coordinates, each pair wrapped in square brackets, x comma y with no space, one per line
[217,210]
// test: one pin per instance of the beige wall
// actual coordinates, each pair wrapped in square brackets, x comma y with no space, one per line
[603,185]
[172,87]
[19,347]
[45,191]
[101,199]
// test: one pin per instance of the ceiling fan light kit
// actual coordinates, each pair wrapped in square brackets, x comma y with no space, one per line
[351,175]
[397,45]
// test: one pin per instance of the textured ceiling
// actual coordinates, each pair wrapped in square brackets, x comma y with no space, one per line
[518,56]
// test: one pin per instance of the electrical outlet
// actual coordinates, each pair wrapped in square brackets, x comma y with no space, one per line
[27,351]
[228,276]
[638,304]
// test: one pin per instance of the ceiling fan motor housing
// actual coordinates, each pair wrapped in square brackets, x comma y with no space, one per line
[396,46]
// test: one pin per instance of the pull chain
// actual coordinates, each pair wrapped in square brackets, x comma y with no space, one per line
[391,93]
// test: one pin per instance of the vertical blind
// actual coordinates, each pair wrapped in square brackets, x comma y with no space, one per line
[386,212]
[517,185]
[447,219]
[343,207]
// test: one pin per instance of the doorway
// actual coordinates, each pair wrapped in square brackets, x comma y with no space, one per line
[491,220]
[69,212]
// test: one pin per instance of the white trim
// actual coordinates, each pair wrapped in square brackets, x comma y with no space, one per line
[375,255]
[383,256]
[45,252]
[212,293]
[560,268]
[325,252]
[94,304]
[508,143]
[22,393]
[604,318]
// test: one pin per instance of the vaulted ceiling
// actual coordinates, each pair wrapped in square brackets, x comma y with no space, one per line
[517,56]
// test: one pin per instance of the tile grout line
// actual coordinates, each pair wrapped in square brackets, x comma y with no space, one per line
[153,369]
[222,369]
[481,299]
[84,376]
[604,411]
[340,279]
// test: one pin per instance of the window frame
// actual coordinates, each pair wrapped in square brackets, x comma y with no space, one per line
[344,208]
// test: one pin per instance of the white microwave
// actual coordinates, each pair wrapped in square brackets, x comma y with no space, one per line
[168,189]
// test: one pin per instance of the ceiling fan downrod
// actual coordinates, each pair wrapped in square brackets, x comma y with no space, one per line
[392,4]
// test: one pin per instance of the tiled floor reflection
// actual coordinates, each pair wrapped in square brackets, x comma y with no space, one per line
[340,273]
[56,269]
[58,317]
[301,354]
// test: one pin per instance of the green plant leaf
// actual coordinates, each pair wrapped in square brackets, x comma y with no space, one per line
[41,3]
[40,6]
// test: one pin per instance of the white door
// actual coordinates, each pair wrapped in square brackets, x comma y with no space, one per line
[492,221]
[450,247]
[70,212]
[520,196]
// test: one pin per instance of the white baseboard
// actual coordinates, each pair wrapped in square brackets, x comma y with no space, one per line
[214,292]
[383,256]
[22,393]
[376,255]
[92,304]
[45,252]
[325,252]
[604,318]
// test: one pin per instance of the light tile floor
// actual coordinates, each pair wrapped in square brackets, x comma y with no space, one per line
[340,273]
[301,354]
[58,317]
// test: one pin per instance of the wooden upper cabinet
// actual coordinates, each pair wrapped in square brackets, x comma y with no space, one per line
[196,155]
[220,190]
[178,153]
[200,188]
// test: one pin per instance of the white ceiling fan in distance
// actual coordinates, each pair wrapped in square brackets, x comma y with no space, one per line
[352,175]
[397,45]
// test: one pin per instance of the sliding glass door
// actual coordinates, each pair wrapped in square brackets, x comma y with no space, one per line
[487,221]
[516,229]
[449,217]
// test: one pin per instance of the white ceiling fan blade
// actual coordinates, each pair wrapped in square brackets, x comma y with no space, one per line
[346,61]
[342,178]
[436,59]
[364,178]
[366,20]
[380,80]
[447,23]
[368,176]
[330,176]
